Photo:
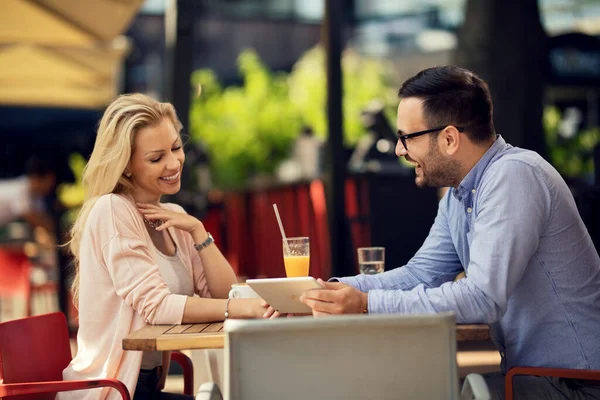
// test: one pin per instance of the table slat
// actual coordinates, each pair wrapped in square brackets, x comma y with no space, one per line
[214,327]
[176,329]
[197,328]
[145,338]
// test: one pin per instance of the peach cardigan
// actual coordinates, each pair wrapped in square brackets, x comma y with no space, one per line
[120,291]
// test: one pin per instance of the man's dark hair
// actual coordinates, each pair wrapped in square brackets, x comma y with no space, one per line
[38,166]
[453,96]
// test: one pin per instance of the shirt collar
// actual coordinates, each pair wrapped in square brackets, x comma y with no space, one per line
[473,177]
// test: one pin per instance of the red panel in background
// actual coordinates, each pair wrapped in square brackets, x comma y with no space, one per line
[274,267]
[235,228]
[14,271]
[252,243]
[305,218]
[213,222]
[357,212]
[320,266]
[263,235]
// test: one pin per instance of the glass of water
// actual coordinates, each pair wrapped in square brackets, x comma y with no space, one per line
[371,260]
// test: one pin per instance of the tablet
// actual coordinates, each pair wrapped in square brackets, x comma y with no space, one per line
[282,293]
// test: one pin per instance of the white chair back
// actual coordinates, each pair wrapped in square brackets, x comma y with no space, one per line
[342,357]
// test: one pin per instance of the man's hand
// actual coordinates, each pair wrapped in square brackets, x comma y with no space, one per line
[335,298]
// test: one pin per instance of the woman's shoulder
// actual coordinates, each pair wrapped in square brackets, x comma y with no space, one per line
[114,203]
[111,206]
[114,212]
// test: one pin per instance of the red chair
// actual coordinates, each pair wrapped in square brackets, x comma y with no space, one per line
[35,350]
[554,372]
[33,353]
[188,371]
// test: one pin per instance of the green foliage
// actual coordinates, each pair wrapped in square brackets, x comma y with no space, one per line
[572,157]
[363,80]
[250,129]
[72,195]
[247,129]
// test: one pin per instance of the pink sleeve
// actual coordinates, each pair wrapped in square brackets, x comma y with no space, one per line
[130,264]
[199,275]
[200,286]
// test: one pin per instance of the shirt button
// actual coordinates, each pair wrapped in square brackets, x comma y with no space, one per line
[469,209]
[473,191]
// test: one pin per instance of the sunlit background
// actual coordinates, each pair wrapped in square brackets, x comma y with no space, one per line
[249,81]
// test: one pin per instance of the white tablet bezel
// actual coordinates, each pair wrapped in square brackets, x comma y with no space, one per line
[282,293]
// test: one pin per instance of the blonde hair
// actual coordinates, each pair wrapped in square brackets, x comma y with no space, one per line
[104,172]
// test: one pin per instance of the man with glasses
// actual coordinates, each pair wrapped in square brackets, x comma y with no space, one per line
[509,221]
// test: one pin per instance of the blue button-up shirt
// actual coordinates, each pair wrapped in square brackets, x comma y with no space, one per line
[532,270]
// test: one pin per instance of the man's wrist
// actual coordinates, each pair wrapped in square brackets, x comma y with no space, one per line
[365,302]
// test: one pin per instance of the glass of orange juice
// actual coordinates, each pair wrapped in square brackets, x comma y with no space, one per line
[296,256]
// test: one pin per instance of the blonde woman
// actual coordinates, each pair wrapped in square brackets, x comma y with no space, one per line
[139,261]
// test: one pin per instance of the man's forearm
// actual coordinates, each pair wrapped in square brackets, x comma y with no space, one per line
[399,278]
[470,304]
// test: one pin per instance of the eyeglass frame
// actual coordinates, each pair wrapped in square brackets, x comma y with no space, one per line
[402,137]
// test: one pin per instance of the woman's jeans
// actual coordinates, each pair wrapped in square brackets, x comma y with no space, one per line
[146,387]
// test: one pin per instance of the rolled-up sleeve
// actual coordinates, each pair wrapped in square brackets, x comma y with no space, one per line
[434,263]
[199,276]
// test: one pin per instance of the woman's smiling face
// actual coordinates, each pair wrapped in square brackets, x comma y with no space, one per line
[156,162]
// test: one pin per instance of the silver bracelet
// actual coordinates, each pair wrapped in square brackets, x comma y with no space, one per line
[227,309]
[209,240]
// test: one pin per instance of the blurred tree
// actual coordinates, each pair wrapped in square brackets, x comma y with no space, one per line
[247,129]
[504,42]
[363,80]
[572,155]
[250,129]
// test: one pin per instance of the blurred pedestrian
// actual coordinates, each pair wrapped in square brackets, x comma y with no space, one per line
[23,197]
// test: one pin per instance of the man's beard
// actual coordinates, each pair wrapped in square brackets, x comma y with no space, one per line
[438,172]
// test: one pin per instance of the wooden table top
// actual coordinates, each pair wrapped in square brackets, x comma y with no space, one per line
[176,337]
[212,336]
[474,333]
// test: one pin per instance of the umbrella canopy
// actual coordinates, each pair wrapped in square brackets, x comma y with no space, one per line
[62,53]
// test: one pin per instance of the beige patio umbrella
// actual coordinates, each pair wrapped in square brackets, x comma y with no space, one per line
[62,53]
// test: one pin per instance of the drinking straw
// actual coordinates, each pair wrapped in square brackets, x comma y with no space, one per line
[285,243]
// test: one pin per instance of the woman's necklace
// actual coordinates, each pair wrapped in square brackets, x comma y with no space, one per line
[154,224]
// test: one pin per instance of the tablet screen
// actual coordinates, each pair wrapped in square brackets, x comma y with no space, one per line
[283,293]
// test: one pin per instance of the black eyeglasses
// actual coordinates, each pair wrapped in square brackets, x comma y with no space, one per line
[402,137]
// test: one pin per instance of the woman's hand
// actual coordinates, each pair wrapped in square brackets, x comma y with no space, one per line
[178,220]
[251,308]
[270,313]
